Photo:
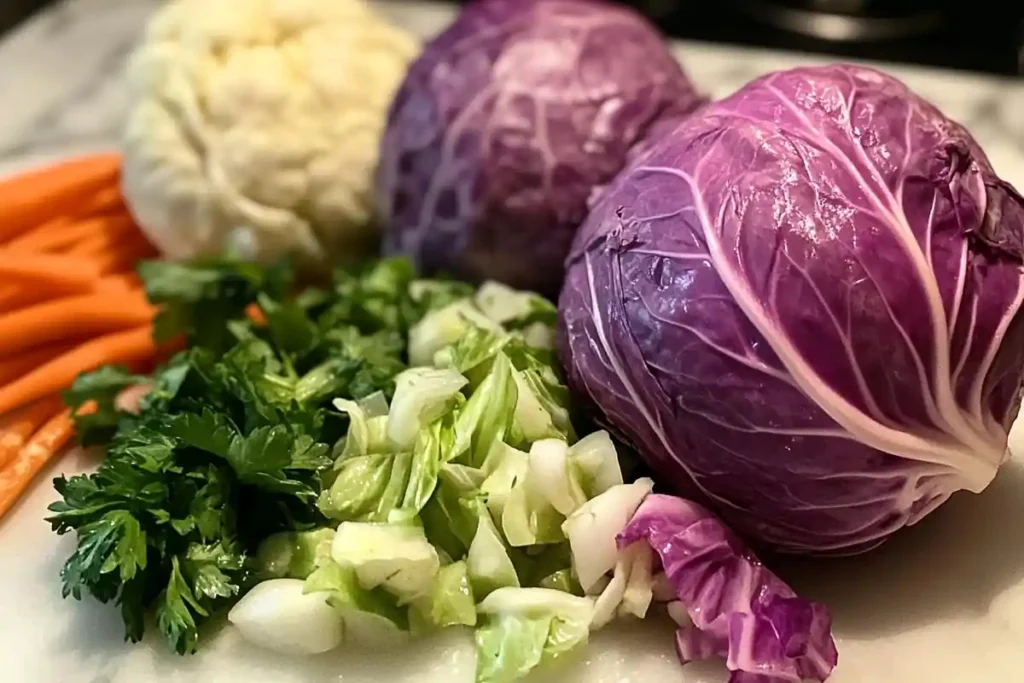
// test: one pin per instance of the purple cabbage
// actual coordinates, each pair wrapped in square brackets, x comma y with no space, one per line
[507,124]
[739,610]
[802,306]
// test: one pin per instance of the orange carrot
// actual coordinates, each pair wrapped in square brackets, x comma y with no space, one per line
[37,196]
[130,348]
[126,279]
[124,282]
[17,427]
[126,254]
[51,438]
[14,298]
[54,272]
[39,237]
[71,317]
[64,233]
[255,314]
[130,399]
[13,367]
[105,200]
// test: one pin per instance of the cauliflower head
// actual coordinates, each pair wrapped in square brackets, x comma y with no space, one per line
[254,126]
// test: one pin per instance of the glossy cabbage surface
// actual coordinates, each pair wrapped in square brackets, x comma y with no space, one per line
[505,126]
[803,306]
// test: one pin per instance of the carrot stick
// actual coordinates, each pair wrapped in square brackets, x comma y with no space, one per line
[37,238]
[99,247]
[54,272]
[72,316]
[128,279]
[13,367]
[65,233]
[15,298]
[126,254]
[124,282]
[34,197]
[51,438]
[105,200]
[256,315]
[130,348]
[16,428]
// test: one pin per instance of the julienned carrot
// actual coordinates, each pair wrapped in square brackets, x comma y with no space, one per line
[37,196]
[130,348]
[111,255]
[14,298]
[71,317]
[118,282]
[33,457]
[54,272]
[105,200]
[13,367]
[17,427]
[256,315]
[64,233]
[126,279]
[99,247]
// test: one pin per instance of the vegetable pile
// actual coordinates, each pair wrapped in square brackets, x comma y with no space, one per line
[290,458]
[69,302]
[230,443]
[800,305]
[508,123]
[803,306]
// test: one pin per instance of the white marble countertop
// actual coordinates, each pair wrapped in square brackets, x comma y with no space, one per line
[62,88]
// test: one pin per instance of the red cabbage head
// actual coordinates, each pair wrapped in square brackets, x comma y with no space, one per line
[803,305]
[507,124]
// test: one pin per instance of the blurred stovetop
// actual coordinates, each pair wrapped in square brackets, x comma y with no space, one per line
[979,35]
[976,35]
[14,11]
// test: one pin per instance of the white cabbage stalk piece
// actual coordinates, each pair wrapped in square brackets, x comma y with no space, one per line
[397,558]
[592,529]
[443,327]
[421,394]
[254,126]
[279,616]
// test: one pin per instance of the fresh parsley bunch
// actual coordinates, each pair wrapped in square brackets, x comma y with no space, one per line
[233,441]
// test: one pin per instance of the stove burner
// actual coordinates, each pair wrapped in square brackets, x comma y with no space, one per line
[847,20]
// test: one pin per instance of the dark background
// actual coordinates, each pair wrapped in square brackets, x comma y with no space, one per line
[13,11]
[979,35]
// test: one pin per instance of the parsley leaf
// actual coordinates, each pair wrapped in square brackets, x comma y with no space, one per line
[100,387]
[233,442]
[177,609]
[197,300]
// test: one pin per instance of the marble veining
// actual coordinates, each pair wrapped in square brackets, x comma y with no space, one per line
[62,83]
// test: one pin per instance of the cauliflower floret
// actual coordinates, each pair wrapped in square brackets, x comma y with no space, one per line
[255,126]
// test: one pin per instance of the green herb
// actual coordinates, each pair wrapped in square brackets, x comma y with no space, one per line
[101,387]
[278,448]
[233,442]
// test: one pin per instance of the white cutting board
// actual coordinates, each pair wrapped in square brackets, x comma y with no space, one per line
[943,602]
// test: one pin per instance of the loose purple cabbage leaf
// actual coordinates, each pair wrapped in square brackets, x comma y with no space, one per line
[739,610]
[801,305]
[507,124]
